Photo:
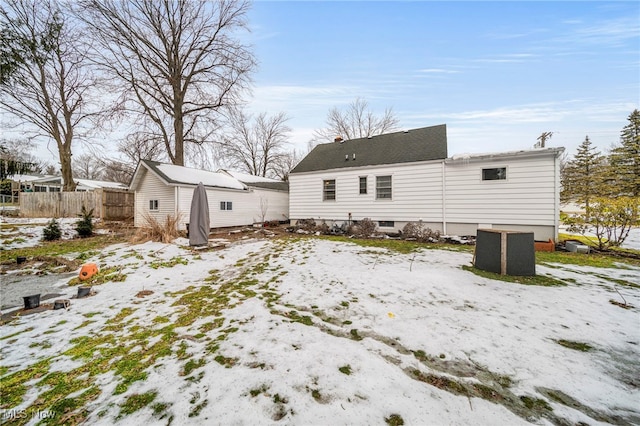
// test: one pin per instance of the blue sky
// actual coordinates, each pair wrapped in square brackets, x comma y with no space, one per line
[497,73]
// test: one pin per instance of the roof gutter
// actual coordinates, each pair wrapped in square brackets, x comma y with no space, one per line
[444,199]
[556,151]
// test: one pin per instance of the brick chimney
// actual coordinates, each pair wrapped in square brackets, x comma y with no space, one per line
[338,139]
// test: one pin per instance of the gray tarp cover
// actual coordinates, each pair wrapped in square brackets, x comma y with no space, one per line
[199,217]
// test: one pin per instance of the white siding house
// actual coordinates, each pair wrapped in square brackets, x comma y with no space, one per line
[407,176]
[166,189]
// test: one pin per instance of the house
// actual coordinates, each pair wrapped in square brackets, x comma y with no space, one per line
[235,199]
[407,176]
[50,183]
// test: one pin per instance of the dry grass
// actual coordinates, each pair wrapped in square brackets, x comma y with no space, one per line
[164,232]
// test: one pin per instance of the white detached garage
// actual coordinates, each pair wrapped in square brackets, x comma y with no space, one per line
[235,199]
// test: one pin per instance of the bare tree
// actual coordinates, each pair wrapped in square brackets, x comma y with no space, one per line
[20,152]
[178,61]
[132,149]
[356,121]
[264,208]
[286,163]
[50,81]
[255,147]
[117,171]
[87,166]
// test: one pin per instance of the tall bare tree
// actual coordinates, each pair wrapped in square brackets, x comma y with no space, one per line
[179,62]
[50,82]
[255,146]
[356,121]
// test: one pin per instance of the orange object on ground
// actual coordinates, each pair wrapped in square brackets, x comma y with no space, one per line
[87,271]
[545,246]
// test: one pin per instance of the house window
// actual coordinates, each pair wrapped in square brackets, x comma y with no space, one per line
[153,204]
[328,190]
[363,185]
[499,173]
[226,205]
[386,224]
[383,187]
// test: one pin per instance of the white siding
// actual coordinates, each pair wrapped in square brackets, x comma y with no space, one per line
[152,188]
[245,206]
[416,193]
[525,197]
[526,200]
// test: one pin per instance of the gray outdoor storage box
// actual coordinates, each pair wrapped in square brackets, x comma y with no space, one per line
[505,252]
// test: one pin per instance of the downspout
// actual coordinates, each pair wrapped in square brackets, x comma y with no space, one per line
[444,199]
[175,204]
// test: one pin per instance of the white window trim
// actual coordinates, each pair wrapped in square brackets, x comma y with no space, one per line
[390,188]
[335,191]
[366,185]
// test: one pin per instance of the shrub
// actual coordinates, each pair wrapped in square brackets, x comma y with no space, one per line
[417,231]
[84,226]
[323,228]
[609,219]
[306,224]
[363,228]
[164,232]
[52,231]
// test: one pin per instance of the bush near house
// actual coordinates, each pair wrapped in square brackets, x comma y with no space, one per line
[419,232]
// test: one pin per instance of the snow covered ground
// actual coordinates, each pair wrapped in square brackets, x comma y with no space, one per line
[309,331]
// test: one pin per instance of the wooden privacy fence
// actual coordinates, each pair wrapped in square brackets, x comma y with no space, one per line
[107,204]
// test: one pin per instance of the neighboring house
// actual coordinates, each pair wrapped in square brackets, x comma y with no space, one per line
[235,199]
[49,183]
[407,176]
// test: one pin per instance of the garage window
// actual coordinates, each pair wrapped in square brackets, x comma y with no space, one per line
[498,173]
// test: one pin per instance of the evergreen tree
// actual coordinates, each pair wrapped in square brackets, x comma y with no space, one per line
[84,226]
[583,177]
[52,231]
[625,159]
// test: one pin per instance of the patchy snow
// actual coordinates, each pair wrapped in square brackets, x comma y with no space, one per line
[195,176]
[633,239]
[367,309]
[27,232]
[247,178]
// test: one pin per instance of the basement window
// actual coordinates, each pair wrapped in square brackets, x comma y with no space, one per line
[386,224]
[383,187]
[226,205]
[329,190]
[153,204]
[498,173]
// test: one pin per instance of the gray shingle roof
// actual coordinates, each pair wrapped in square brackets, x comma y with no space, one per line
[427,143]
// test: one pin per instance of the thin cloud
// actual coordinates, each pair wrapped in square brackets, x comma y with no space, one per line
[438,71]
[508,58]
